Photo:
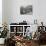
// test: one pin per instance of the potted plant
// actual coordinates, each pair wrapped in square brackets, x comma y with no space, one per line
[3,34]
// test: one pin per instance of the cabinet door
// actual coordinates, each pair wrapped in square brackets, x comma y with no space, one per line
[19,30]
[12,28]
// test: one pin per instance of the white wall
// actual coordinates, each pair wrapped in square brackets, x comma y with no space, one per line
[17,15]
[4,11]
[12,11]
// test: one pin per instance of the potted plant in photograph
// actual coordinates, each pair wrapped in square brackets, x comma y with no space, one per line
[3,33]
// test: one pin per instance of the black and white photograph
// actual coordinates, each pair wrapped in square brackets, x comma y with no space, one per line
[26,10]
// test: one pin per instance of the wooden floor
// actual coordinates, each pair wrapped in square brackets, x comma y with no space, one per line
[42,45]
[32,45]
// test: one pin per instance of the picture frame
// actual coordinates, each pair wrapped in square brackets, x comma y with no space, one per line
[27,10]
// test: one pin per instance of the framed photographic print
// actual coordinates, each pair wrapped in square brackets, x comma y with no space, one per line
[26,10]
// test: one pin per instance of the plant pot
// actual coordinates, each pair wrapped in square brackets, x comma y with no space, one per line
[2,40]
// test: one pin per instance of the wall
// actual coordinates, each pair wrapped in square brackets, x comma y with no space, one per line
[16,11]
[12,11]
[4,11]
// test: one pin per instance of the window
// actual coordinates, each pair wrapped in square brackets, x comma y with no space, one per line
[0,13]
